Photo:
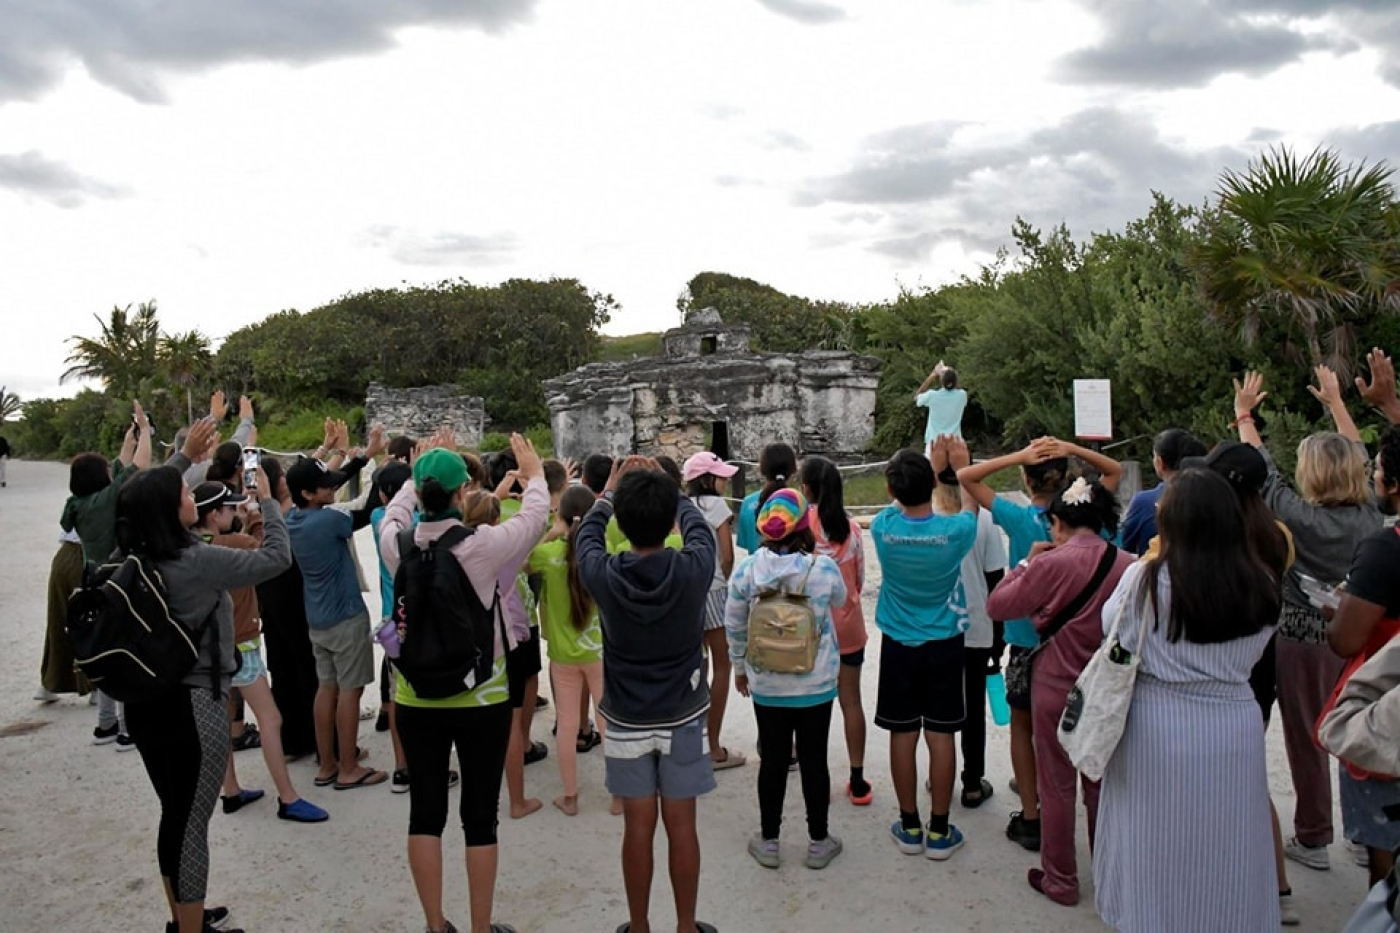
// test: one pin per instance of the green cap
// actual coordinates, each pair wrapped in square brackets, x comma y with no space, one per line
[442,465]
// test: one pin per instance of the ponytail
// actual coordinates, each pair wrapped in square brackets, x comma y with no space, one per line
[573,505]
[824,490]
[776,464]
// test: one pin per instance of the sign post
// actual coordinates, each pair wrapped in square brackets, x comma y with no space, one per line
[1093,409]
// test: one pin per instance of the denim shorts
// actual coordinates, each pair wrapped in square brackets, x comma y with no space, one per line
[674,763]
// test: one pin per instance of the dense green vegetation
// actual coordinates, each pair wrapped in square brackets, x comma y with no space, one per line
[1295,262]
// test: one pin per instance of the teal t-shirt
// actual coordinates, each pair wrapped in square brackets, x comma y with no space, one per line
[746,525]
[1024,526]
[945,411]
[921,593]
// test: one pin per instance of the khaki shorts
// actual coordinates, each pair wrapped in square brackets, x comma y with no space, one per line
[344,653]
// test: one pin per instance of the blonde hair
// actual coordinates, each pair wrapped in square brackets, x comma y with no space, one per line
[948,497]
[480,508]
[1332,471]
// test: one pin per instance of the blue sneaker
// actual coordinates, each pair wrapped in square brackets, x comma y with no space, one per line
[301,811]
[942,846]
[241,799]
[910,841]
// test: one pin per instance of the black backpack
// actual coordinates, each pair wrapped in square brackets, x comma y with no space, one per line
[447,638]
[123,635]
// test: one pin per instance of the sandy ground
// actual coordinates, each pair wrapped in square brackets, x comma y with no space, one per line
[77,826]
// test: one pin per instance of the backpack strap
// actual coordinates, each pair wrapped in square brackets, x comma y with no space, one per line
[1074,606]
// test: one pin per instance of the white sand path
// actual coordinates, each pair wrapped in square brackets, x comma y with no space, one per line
[77,825]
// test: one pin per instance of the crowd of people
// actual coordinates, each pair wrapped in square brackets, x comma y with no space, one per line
[651,592]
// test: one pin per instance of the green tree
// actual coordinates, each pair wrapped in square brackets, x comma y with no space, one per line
[10,405]
[126,350]
[779,323]
[183,358]
[1303,254]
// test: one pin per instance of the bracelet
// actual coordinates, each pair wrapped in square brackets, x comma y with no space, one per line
[1247,416]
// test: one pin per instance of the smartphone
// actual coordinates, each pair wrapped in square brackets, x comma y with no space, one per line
[251,460]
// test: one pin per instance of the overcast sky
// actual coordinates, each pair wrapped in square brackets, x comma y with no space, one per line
[233,160]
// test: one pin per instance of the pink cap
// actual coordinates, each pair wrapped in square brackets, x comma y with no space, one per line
[705,462]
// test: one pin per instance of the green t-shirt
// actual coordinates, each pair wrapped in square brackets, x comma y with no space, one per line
[566,644]
[617,541]
[494,691]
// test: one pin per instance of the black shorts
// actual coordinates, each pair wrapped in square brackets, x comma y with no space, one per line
[921,686]
[1018,677]
[854,658]
[522,664]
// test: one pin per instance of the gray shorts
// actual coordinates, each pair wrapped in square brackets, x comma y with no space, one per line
[344,653]
[714,608]
[671,762]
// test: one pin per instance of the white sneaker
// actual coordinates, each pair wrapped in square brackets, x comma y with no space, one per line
[1314,857]
[44,696]
[1359,854]
[1288,911]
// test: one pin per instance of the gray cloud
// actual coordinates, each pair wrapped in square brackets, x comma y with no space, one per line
[128,46]
[443,248]
[1094,171]
[736,181]
[37,175]
[805,11]
[782,139]
[1184,44]
[1373,143]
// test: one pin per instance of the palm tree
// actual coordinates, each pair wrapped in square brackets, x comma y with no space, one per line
[1304,248]
[9,405]
[183,357]
[126,351]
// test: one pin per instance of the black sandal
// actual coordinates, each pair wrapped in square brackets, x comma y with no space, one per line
[587,741]
[972,799]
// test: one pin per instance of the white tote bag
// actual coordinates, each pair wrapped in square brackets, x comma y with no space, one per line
[1096,711]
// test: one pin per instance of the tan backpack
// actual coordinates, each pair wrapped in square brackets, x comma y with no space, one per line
[783,636]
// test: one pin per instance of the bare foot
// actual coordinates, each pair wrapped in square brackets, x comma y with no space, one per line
[524,809]
[616,808]
[569,805]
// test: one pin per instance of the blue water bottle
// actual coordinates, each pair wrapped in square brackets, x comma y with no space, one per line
[996,697]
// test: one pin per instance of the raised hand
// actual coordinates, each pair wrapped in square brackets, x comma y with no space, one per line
[218,405]
[245,408]
[958,454]
[1250,393]
[527,459]
[197,440]
[377,441]
[1328,390]
[1380,391]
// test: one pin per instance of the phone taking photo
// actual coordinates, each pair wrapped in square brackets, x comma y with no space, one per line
[251,460]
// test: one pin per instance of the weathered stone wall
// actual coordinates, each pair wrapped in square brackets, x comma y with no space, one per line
[822,403]
[419,412]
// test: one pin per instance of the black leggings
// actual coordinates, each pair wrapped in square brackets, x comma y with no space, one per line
[183,741]
[976,663]
[776,727]
[481,734]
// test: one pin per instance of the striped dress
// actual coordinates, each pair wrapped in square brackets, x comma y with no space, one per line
[1185,840]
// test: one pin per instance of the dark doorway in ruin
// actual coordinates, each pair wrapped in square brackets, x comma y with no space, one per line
[719,439]
[708,345]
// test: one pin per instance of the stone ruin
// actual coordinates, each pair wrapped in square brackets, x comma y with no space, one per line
[709,391]
[420,412]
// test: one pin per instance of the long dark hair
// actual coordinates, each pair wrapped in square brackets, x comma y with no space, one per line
[573,506]
[148,515]
[1221,589]
[1268,539]
[777,463]
[824,490]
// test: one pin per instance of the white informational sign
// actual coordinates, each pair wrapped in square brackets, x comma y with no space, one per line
[1093,409]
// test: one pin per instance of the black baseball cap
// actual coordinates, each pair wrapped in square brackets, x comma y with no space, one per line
[1240,464]
[309,474]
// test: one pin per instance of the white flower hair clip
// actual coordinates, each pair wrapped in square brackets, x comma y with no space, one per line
[1078,493]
